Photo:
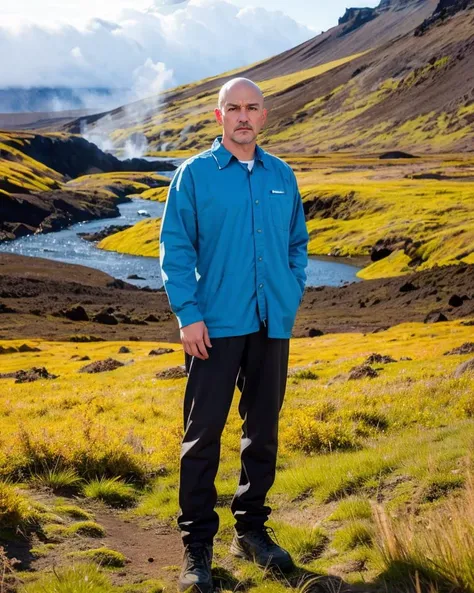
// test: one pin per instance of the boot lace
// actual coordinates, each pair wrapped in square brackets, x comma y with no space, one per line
[197,555]
[264,536]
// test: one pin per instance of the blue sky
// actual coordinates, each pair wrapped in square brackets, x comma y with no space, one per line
[317,14]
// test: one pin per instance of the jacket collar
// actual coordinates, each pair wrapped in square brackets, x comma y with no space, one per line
[223,156]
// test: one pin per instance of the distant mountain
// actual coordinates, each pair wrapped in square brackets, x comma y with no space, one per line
[400,75]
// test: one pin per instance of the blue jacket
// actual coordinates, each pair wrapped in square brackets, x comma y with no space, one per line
[245,235]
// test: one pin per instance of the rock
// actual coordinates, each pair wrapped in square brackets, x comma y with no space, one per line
[33,374]
[84,357]
[152,318]
[405,358]
[134,339]
[160,351]
[172,373]
[6,309]
[105,318]
[397,154]
[468,323]
[376,358]
[435,317]
[362,371]
[100,366]
[123,350]
[465,367]
[466,348]
[8,349]
[8,375]
[105,232]
[135,277]
[77,313]
[313,333]
[408,287]
[26,348]
[455,301]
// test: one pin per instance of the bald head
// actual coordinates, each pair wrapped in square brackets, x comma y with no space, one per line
[237,86]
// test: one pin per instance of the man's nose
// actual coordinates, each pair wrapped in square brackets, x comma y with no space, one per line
[243,115]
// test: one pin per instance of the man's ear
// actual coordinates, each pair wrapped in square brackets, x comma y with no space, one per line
[264,115]
[218,114]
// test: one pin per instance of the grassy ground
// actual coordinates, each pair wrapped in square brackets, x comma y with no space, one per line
[366,466]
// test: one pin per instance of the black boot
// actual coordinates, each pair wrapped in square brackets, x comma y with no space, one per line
[257,545]
[196,572]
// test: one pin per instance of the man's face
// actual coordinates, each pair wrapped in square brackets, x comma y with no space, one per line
[242,115]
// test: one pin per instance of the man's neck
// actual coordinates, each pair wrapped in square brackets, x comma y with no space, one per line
[242,152]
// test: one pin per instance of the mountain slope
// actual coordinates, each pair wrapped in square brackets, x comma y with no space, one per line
[398,76]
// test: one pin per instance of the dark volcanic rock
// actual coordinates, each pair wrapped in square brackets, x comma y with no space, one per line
[27,348]
[362,371]
[105,232]
[77,313]
[466,348]
[6,309]
[444,10]
[75,156]
[397,154]
[376,358]
[456,301]
[106,318]
[50,211]
[314,333]
[160,351]
[124,350]
[33,374]
[172,373]
[435,317]
[99,366]
[408,287]
[8,349]
[354,18]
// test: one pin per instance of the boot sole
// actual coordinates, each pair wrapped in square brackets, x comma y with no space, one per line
[208,588]
[239,553]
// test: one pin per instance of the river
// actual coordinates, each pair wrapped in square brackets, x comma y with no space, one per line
[67,246]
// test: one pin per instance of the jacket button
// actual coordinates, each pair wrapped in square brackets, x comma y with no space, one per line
[259,230]
[260,285]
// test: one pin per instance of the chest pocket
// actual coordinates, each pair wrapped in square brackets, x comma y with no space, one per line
[281,207]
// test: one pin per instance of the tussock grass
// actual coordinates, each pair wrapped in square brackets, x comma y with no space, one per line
[436,550]
[102,557]
[73,511]
[112,491]
[352,508]
[80,578]
[57,479]
[16,510]
[352,535]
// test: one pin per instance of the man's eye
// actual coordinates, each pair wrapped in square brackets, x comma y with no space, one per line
[231,109]
[253,108]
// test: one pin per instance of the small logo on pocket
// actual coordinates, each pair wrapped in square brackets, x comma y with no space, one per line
[277,191]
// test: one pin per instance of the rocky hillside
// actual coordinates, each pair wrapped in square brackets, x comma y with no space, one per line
[43,187]
[400,75]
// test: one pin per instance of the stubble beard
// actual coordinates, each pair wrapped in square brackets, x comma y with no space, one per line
[244,139]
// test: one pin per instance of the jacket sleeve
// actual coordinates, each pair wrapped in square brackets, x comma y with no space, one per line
[298,247]
[178,245]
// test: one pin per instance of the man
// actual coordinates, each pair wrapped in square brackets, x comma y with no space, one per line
[234,215]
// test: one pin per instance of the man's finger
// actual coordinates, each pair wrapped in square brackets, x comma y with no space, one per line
[202,349]
[207,340]
[195,352]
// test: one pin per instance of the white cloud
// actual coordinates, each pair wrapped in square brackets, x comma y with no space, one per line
[142,52]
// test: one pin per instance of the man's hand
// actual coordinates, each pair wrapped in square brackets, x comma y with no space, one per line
[195,338]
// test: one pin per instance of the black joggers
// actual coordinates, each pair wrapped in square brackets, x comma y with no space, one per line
[259,365]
